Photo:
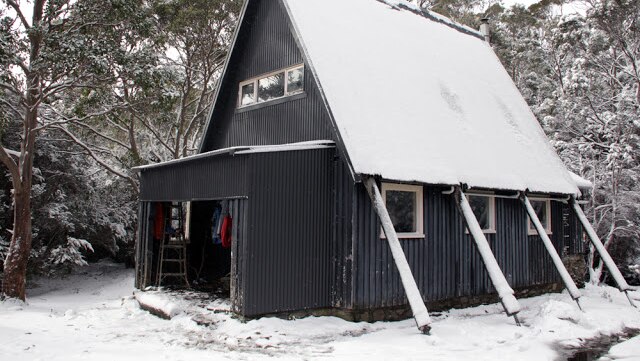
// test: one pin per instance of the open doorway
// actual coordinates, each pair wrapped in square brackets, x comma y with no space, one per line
[212,233]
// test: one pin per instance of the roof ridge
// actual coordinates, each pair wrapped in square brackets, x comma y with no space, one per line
[433,16]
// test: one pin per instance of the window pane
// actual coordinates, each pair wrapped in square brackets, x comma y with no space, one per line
[295,80]
[271,87]
[402,209]
[540,207]
[248,94]
[482,210]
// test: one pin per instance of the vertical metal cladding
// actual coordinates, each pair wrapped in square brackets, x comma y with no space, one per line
[144,252]
[239,214]
[288,248]
[266,44]
[342,243]
[446,263]
[199,179]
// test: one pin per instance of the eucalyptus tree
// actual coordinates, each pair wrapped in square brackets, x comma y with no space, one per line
[49,49]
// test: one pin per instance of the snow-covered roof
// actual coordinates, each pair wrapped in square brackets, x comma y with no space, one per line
[418,98]
[582,183]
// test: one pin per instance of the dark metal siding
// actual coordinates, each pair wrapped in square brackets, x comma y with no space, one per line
[144,252]
[265,44]
[446,264]
[342,244]
[239,215]
[288,260]
[201,179]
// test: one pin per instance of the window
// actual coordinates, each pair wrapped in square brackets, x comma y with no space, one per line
[248,94]
[484,208]
[272,86]
[405,206]
[543,211]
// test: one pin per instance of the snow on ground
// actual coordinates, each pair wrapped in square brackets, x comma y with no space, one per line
[629,350]
[92,316]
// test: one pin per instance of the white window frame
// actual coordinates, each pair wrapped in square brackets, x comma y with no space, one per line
[419,190]
[547,227]
[492,211]
[256,81]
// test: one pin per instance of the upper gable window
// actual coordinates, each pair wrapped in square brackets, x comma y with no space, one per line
[272,86]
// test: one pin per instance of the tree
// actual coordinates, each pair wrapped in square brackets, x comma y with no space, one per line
[64,46]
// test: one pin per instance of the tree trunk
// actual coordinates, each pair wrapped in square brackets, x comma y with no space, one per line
[15,266]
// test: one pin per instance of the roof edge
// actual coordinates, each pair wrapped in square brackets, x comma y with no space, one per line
[436,17]
[240,150]
[309,62]
[227,60]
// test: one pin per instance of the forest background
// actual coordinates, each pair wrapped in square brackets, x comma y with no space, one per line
[90,89]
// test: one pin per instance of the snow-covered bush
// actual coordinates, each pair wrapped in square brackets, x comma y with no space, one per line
[70,254]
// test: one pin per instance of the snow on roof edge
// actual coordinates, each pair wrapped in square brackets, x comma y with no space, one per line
[433,16]
[310,145]
[582,183]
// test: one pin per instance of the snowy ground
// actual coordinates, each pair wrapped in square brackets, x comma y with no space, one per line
[92,316]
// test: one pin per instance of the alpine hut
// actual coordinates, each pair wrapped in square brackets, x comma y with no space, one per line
[363,158]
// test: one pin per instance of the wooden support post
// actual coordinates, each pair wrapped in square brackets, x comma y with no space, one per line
[420,313]
[557,261]
[505,292]
[604,255]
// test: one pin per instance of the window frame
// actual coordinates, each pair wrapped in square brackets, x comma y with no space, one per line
[492,211]
[256,81]
[548,226]
[419,212]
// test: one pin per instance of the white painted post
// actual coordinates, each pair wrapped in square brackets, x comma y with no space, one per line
[557,261]
[604,255]
[420,313]
[505,292]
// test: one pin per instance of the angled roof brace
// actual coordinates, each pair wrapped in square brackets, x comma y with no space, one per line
[420,312]
[604,255]
[505,292]
[557,261]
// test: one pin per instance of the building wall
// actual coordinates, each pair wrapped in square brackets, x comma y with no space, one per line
[224,176]
[287,254]
[265,44]
[446,264]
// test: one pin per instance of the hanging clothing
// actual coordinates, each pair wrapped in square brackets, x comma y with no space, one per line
[225,235]
[158,223]
[216,221]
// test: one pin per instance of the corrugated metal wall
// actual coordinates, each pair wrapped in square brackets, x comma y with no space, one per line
[199,179]
[266,44]
[144,253]
[446,264]
[288,248]
[342,243]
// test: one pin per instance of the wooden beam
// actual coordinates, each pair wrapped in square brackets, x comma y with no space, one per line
[420,312]
[505,292]
[557,261]
[604,255]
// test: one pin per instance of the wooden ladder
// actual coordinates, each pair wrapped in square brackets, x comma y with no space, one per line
[172,263]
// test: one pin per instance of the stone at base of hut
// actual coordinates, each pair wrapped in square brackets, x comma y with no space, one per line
[157,305]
